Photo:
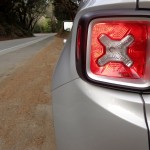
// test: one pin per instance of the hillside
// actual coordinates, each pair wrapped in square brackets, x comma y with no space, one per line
[11,30]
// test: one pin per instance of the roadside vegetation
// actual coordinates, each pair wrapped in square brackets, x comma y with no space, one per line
[21,18]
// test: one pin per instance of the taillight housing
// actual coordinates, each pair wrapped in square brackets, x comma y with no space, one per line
[115,52]
[117,49]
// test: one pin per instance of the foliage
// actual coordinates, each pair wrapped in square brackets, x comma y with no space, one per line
[43,26]
[30,12]
[24,13]
[65,9]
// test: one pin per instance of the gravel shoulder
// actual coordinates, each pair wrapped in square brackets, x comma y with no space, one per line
[25,102]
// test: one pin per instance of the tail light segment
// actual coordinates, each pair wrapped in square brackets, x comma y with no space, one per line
[115,51]
[118,49]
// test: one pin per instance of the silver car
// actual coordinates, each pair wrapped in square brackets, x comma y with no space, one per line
[101,85]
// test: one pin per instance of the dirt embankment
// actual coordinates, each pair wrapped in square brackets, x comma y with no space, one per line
[25,103]
[11,30]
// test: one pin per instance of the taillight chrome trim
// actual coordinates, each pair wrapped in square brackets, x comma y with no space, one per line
[137,83]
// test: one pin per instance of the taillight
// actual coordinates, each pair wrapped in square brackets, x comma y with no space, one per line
[115,52]
[118,49]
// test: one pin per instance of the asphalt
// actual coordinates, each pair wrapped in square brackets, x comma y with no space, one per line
[14,53]
[13,45]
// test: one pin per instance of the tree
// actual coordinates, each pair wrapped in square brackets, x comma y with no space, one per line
[65,9]
[28,12]
[24,13]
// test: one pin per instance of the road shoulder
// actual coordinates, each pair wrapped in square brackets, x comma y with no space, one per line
[25,103]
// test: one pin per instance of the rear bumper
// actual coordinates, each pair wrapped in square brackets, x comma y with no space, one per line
[93,118]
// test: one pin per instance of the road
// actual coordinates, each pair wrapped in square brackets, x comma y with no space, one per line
[13,45]
[14,53]
[25,100]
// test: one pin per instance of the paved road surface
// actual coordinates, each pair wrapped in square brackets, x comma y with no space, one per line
[25,100]
[12,45]
[13,53]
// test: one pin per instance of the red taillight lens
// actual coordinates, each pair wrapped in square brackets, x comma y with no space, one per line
[118,49]
[78,42]
[114,53]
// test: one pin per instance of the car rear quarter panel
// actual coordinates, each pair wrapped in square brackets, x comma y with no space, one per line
[146,98]
[87,117]
[93,118]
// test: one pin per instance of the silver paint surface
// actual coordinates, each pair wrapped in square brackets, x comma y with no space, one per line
[87,117]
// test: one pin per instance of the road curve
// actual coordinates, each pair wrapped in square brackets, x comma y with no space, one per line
[13,45]
[16,57]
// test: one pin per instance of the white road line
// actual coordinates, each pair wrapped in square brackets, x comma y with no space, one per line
[11,49]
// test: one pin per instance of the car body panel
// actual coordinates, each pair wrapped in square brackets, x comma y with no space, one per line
[146,98]
[62,74]
[87,117]
[109,4]
[144,3]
